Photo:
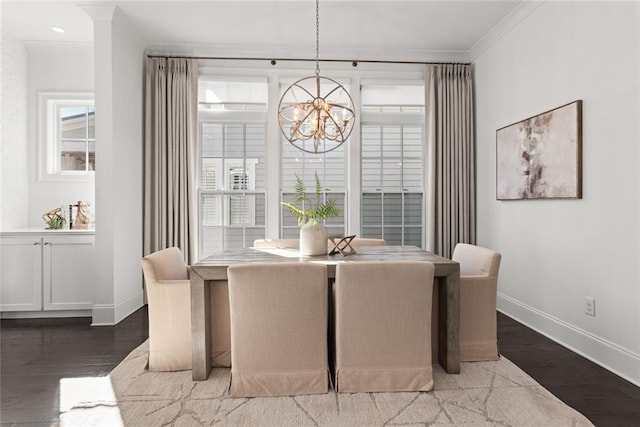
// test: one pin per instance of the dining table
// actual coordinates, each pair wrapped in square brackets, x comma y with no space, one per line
[214,268]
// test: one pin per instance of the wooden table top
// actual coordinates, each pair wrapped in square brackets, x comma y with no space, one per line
[214,267]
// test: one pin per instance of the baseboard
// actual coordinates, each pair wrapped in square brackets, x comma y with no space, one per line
[44,314]
[610,356]
[103,315]
[128,306]
[109,314]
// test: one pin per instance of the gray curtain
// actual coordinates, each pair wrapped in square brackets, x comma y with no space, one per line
[171,107]
[451,207]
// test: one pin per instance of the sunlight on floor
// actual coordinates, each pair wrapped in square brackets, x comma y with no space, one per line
[88,401]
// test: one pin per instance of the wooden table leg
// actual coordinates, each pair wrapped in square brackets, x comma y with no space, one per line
[200,328]
[449,321]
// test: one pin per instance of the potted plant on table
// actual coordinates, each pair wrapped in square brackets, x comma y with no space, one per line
[313,234]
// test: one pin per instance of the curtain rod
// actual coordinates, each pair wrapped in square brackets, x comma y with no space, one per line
[273,61]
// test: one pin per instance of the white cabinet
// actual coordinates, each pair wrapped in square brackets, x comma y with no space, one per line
[68,272]
[50,271]
[20,273]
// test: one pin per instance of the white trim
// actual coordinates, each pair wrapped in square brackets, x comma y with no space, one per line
[278,78]
[391,118]
[99,12]
[619,360]
[288,51]
[353,160]
[232,116]
[274,161]
[103,315]
[44,314]
[48,168]
[508,23]
[109,314]
[214,76]
[128,306]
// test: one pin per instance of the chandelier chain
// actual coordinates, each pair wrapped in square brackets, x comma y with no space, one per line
[316,114]
[317,37]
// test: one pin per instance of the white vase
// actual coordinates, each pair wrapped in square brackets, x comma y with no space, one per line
[313,239]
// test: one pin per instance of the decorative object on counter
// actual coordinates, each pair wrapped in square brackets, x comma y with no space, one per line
[84,219]
[54,219]
[313,235]
[540,157]
[342,245]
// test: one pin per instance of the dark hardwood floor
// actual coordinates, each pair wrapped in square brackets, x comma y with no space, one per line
[36,354]
[604,398]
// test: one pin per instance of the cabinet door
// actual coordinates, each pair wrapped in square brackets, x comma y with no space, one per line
[20,273]
[69,272]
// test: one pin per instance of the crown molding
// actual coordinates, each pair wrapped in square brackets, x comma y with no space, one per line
[295,52]
[502,28]
[98,12]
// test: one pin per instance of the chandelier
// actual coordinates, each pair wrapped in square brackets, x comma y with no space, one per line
[316,113]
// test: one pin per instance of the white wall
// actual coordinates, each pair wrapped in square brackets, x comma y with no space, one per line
[127,179]
[55,69]
[14,163]
[557,252]
[119,65]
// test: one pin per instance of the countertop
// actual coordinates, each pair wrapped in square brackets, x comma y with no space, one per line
[45,231]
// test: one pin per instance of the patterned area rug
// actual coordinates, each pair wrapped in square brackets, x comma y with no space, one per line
[484,394]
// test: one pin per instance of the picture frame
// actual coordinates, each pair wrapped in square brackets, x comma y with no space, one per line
[540,157]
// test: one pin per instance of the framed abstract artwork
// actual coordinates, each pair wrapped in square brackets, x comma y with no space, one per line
[541,157]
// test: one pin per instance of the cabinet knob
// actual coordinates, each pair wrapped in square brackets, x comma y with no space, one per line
[47,243]
[36,243]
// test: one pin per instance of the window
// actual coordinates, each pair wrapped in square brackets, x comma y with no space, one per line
[392,164]
[67,136]
[247,168]
[232,122]
[331,169]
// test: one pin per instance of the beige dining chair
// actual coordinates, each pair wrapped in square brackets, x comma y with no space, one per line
[167,282]
[279,315]
[478,293]
[382,323]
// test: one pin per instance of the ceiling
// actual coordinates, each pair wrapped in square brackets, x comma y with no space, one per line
[410,29]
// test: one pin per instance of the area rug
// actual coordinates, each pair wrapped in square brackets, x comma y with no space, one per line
[483,394]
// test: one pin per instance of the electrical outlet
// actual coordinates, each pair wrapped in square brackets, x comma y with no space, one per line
[590,306]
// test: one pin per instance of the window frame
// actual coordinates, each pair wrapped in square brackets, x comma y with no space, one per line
[290,72]
[241,117]
[414,115]
[48,141]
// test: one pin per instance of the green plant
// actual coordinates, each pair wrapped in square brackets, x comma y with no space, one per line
[311,212]
[56,222]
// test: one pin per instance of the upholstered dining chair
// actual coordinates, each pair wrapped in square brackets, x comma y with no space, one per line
[167,283]
[382,318]
[279,315]
[166,277]
[478,293]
